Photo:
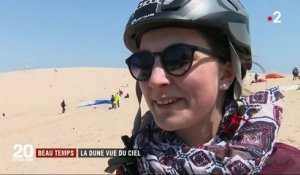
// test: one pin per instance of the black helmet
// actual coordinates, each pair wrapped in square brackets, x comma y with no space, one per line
[226,16]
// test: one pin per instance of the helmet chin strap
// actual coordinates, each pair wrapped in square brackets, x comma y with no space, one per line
[236,65]
[138,116]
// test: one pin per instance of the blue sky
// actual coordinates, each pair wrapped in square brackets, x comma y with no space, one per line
[79,33]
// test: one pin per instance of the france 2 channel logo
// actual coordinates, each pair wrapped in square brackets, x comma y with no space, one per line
[276,18]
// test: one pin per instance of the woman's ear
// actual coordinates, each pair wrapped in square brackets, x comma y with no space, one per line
[226,76]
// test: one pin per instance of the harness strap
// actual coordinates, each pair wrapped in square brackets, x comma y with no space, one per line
[236,64]
[138,116]
[128,163]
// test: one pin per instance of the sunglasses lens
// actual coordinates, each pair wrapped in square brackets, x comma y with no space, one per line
[178,59]
[140,65]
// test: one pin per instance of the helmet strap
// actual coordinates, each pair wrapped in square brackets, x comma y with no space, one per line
[236,65]
[138,116]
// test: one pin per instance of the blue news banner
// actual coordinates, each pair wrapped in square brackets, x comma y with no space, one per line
[95,152]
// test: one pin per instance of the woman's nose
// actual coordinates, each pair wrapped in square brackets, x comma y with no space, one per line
[159,77]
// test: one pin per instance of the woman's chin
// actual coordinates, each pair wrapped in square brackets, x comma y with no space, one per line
[170,123]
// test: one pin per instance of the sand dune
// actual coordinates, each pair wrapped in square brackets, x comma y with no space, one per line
[31,102]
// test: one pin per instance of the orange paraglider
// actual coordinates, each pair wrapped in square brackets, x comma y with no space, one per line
[274,75]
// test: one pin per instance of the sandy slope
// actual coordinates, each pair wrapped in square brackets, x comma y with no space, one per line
[31,102]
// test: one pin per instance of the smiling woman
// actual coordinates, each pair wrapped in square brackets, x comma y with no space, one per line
[189,59]
[169,95]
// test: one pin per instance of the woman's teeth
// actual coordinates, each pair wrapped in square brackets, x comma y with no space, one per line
[166,101]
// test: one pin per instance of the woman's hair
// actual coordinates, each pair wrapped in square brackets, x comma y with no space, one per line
[219,44]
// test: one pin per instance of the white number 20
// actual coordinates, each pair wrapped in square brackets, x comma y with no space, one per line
[23,151]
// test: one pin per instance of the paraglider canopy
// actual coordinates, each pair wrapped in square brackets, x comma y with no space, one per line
[92,103]
[274,75]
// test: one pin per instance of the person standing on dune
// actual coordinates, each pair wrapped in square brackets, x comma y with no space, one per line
[295,73]
[63,105]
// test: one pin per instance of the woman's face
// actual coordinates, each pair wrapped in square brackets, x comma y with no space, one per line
[180,103]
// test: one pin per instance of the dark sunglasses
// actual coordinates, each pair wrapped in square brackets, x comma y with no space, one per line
[176,60]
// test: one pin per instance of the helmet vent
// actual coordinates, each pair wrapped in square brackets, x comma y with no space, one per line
[233,5]
[240,3]
[172,5]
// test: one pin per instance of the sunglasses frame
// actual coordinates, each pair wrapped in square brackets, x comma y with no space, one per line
[163,62]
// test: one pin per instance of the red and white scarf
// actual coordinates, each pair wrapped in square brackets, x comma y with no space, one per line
[246,152]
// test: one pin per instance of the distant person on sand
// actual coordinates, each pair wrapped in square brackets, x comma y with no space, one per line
[256,77]
[295,73]
[120,92]
[118,98]
[126,96]
[3,114]
[112,99]
[115,102]
[63,105]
